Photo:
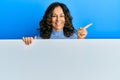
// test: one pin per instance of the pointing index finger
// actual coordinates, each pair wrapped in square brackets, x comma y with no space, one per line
[88,25]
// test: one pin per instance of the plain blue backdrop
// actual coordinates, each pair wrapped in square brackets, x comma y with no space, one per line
[20,18]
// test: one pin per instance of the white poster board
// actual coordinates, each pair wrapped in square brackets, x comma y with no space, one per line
[88,59]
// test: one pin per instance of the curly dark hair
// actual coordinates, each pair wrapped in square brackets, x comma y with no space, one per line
[46,22]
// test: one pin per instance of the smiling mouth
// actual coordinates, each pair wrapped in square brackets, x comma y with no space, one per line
[58,23]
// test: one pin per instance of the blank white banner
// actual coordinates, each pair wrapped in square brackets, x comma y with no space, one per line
[88,59]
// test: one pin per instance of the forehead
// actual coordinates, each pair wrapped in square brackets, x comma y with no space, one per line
[58,9]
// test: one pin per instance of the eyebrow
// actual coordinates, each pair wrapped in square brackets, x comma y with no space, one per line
[60,14]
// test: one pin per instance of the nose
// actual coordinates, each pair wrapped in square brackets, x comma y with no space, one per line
[58,18]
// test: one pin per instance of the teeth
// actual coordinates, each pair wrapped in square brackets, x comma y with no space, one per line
[58,24]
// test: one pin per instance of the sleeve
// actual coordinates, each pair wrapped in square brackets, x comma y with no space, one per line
[74,36]
[38,37]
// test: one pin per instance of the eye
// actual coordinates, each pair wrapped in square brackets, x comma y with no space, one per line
[54,16]
[62,16]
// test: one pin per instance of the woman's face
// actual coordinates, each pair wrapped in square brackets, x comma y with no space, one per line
[58,19]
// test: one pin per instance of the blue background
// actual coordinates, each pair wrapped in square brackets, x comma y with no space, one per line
[20,18]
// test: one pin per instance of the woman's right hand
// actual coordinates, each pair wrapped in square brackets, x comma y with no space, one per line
[28,40]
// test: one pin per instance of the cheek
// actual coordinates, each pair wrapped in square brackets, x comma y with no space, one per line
[53,20]
[63,20]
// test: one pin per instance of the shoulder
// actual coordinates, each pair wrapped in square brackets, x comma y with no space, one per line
[74,36]
[38,37]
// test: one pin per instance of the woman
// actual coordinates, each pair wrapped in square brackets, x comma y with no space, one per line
[57,24]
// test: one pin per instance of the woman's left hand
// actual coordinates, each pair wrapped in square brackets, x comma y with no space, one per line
[82,32]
